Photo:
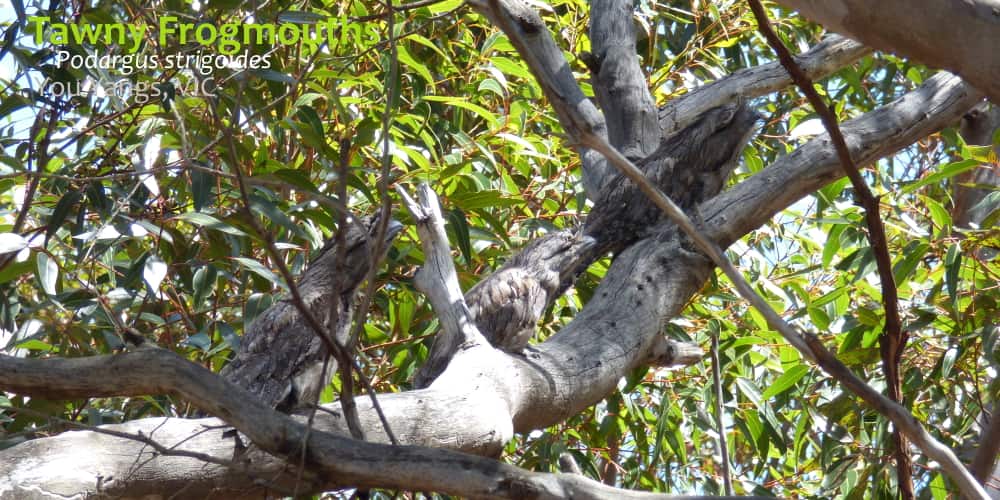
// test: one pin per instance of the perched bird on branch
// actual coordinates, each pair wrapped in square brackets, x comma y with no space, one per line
[280,358]
[689,166]
[507,305]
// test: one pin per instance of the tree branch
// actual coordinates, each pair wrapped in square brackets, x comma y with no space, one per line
[620,86]
[820,61]
[958,35]
[940,101]
[343,460]
[578,366]
[727,479]
[892,341]
[437,278]
[579,128]
[534,43]
[807,344]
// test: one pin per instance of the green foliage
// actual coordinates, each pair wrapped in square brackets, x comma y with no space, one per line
[129,213]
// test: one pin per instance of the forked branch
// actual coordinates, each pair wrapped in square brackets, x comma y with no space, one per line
[579,128]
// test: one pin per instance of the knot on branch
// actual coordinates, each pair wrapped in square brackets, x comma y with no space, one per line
[671,353]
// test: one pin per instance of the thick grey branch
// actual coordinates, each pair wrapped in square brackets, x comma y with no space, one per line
[957,35]
[692,164]
[932,106]
[647,284]
[342,460]
[545,59]
[619,84]
[822,60]
[437,278]
[807,344]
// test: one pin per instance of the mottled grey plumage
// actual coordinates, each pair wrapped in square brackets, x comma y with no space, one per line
[689,166]
[507,305]
[280,357]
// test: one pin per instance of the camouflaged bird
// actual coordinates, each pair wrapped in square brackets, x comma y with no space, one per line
[689,166]
[507,305]
[280,358]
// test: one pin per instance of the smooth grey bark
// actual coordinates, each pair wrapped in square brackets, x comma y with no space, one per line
[496,394]
[620,86]
[957,35]
[822,60]
[534,43]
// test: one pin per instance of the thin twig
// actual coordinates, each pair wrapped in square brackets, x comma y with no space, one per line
[586,133]
[331,345]
[391,11]
[40,152]
[346,377]
[385,210]
[806,343]
[300,470]
[893,339]
[727,479]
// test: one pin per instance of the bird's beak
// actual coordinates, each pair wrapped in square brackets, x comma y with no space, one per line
[395,227]
[586,242]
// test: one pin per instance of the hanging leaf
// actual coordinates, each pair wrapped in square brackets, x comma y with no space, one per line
[153,272]
[10,243]
[210,222]
[952,265]
[60,212]
[460,227]
[785,382]
[201,189]
[48,273]
[260,270]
